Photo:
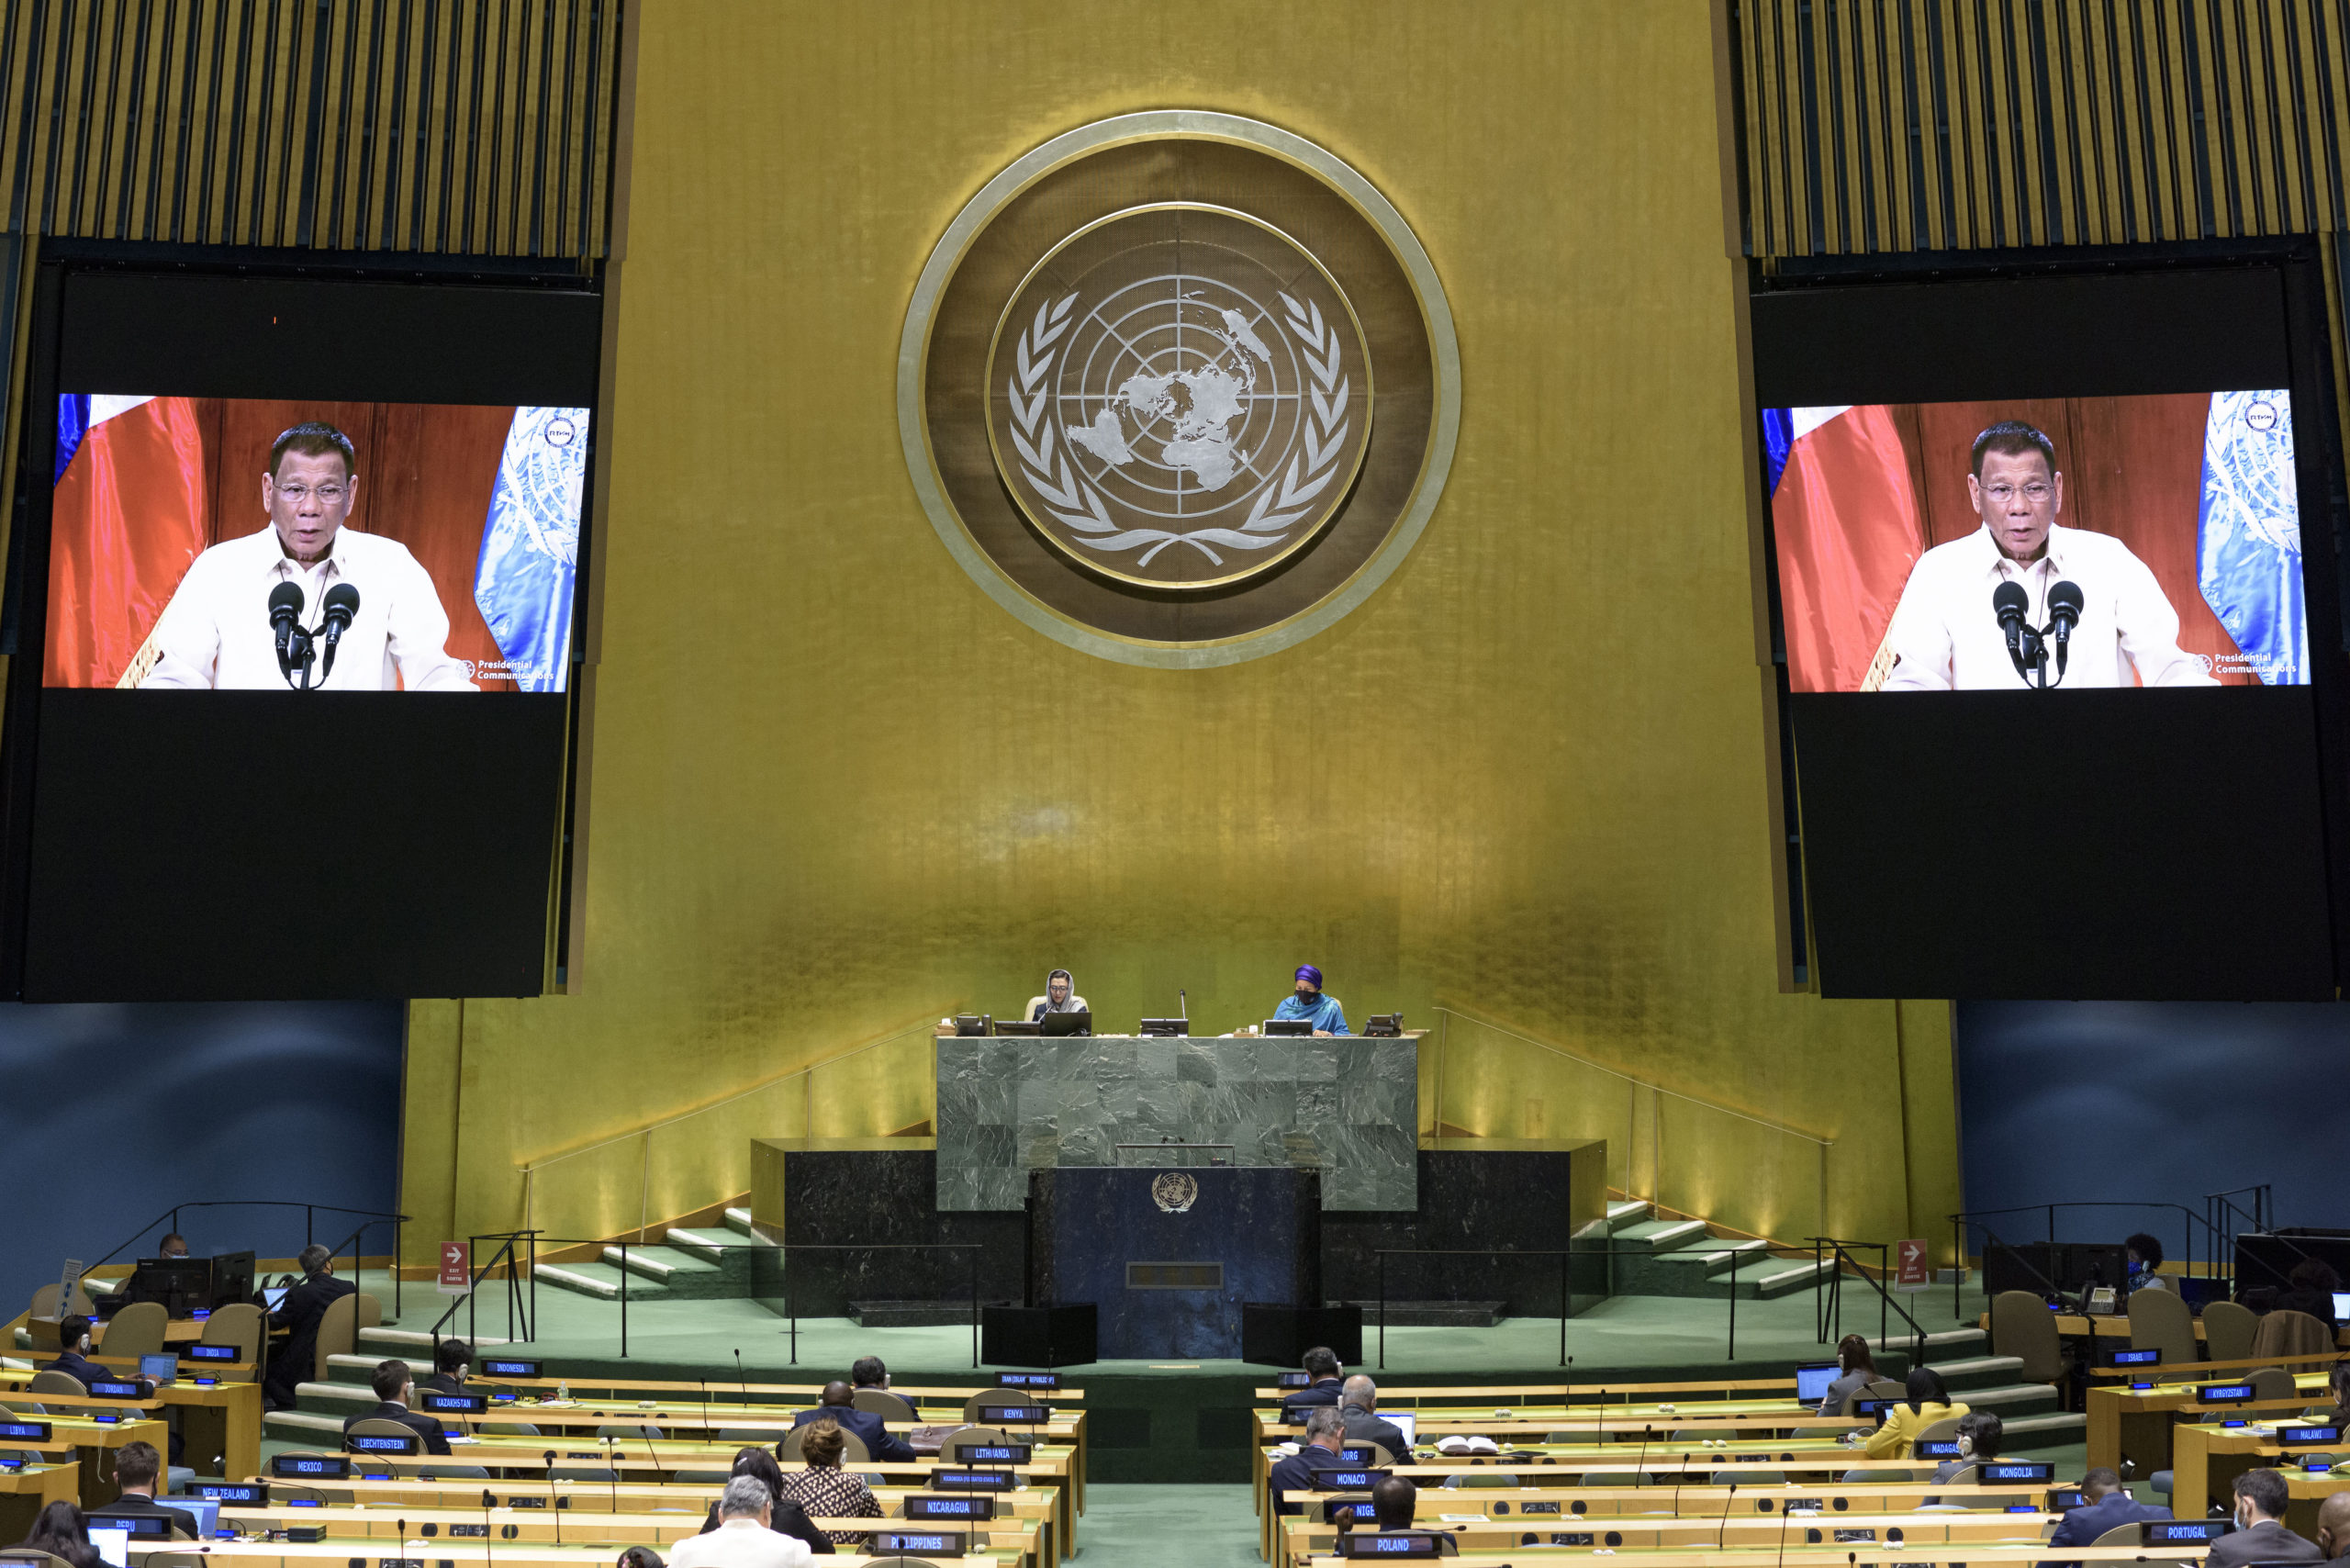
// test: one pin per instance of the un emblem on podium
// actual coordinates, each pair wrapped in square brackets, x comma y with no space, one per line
[1179,388]
[1174,1191]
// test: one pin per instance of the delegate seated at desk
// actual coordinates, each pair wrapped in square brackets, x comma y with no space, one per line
[300,1313]
[394,1385]
[1321,1364]
[2260,1535]
[136,1468]
[1060,996]
[1308,1003]
[837,1403]
[1326,1434]
[2105,1505]
[1394,1501]
[73,1339]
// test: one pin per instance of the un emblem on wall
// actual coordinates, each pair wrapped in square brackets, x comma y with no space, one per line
[1179,388]
[1174,1191]
[1182,397]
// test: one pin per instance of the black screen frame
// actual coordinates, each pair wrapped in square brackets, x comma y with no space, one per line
[383,905]
[1908,329]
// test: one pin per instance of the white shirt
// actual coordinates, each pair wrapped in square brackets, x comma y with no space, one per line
[1945,636]
[215,636]
[741,1543]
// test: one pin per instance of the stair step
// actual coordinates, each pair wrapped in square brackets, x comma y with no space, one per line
[709,1246]
[739,1221]
[1979,1372]
[1949,1344]
[1630,1212]
[1661,1235]
[2013,1393]
[600,1281]
[2056,1427]
[662,1265]
[411,1339]
[357,1370]
[1714,1259]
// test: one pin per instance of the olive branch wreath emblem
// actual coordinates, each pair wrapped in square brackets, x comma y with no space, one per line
[1074,502]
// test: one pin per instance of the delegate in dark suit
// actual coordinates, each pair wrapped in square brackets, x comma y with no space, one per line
[73,1364]
[1362,1427]
[425,1427]
[863,1425]
[440,1382]
[1295,1474]
[183,1522]
[2081,1527]
[298,1314]
[2267,1541]
[1322,1391]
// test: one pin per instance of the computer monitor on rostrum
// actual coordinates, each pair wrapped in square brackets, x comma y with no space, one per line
[233,1279]
[181,1285]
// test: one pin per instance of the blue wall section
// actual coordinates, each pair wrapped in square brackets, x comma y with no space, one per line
[113,1114]
[2151,1102]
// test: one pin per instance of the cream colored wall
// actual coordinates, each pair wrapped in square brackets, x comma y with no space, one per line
[835,788]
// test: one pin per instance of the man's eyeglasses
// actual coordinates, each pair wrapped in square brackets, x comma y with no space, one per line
[329,495]
[2037,492]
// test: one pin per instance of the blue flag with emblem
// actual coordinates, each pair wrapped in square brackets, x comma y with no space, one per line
[530,547]
[2248,536]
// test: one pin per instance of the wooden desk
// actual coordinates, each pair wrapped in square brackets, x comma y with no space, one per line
[691,1391]
[220,1424]
[45,1337]
[2138,1422]
[335,1554]
[1607,1394]
[25,1493]
[1752,1534]
[2206,1461]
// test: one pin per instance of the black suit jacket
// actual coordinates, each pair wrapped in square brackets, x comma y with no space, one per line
[73,1364]
[1295,1472]
[1365,1428]
[425,1427]
[869,1429]
[1323,1393]
[183,1522]
[298,1314]
[2267,1541]
[440,1382]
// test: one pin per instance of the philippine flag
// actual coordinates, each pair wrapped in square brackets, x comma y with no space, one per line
[131,509]
[530,547]
[2248,535]
[1845,513]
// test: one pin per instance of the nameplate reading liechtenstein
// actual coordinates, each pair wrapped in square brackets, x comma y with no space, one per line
[1179,397]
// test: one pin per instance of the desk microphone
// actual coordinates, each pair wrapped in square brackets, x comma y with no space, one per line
[488,1530]
[554,1505]
[1184,1009]
[612,1469]
[653,1455]
[1641,1464]
[738,1377]
[341,608]
[2063,614]
[1721,1537]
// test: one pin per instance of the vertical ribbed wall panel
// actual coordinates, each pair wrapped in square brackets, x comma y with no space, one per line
[1875,126]
[479,127]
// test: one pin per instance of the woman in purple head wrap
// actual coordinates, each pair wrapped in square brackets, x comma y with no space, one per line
[1308,1003]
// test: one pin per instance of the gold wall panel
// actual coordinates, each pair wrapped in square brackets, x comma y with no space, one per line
[837,788]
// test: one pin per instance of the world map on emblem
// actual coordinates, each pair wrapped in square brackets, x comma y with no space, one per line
[1180,396]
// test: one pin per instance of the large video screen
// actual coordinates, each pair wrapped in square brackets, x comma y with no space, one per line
[2057,652]
[211,543]
[354,510]
[2037,545]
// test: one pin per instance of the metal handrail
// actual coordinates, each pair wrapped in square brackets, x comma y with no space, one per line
[1832,1279]
[311,1211]
[2212,1270]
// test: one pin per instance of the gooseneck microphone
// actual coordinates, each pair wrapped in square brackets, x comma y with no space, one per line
[341,609]
[1721,1537]
[2065,603]
[2009,603]
[286,621]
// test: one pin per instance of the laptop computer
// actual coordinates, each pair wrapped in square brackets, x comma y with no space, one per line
[114,1545]
[1289,1026]
[206,1511]
[273,1295]
[1067,1023]
[1812,1379]
[161,1368]
[1405,1421]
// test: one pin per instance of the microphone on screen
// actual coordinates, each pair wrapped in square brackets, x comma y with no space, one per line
[341,609]
[2009,603]
[285,619]
[2065,603]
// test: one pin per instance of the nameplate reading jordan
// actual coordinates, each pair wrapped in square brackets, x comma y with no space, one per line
[495,1366]
[331,1466]
[24,1432]
[1415,1544]
[924,1543]
[919,1507]
[103,1389]
[1028,1380]
[2222,1393]
[973,1480]
[235,1493]
[455,1404]
[208,1353]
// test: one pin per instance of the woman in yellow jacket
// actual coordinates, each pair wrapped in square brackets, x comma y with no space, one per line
[1928,1402]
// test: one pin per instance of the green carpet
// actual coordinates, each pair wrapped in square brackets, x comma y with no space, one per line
[1201,1527]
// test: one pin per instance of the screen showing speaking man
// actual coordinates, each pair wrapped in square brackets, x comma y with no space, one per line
[2049,544]
[220,544]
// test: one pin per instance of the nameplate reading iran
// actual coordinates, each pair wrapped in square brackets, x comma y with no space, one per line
[1029,1379]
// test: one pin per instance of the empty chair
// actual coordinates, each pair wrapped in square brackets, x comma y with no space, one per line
[582,1472]
[702,1477]
[2022,1326]
[899,1563]
[2122,1534]
[2294,1334]
[55,1382]
[338,1336]
[137,1330]
[852,1449]
[2227,1330]
[1380,1457]
[506,1428]
[1868,1477]
[1482,1478]
[628,1429]
[371,1311]
[887,1406]
[238,1324]
[2160,1320]
[24,1407]
[746,1435]
[45,1301]
[454,1472]
[1940,1431]
[2272,1383]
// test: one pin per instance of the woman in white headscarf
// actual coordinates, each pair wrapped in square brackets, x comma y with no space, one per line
[1060,996]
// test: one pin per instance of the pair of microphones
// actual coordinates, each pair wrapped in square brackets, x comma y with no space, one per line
[299,649]
[2028,646]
